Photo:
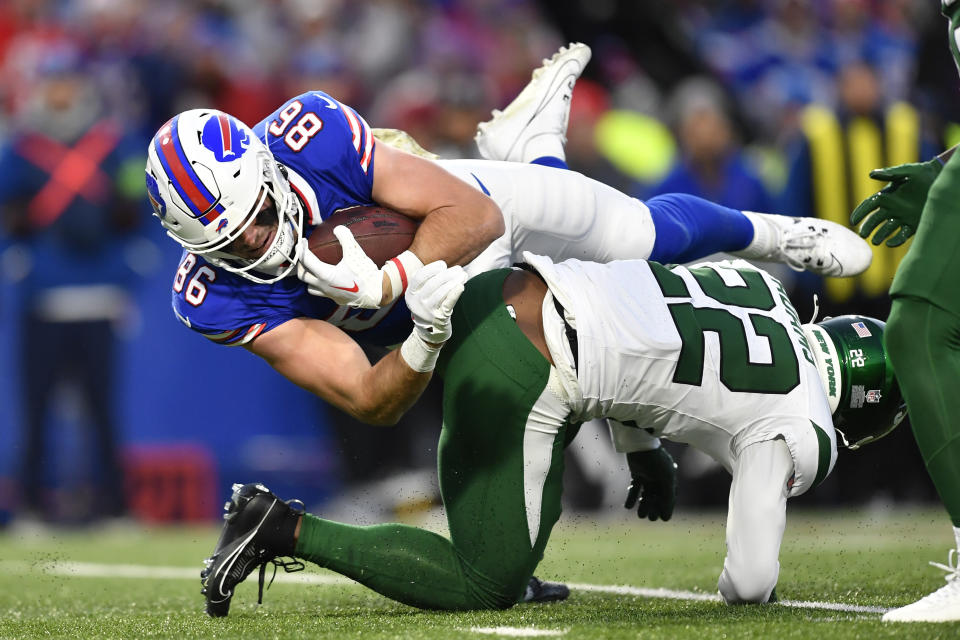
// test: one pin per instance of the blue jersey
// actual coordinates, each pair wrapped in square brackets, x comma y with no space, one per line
[328,150]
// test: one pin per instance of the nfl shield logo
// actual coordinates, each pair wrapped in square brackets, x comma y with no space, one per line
[873,396]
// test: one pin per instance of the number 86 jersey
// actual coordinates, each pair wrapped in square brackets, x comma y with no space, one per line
[712,355]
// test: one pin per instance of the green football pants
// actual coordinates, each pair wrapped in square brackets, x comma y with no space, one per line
[923,342]
[500,466]
[923,334]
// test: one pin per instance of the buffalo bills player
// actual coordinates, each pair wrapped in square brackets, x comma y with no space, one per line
[240,201]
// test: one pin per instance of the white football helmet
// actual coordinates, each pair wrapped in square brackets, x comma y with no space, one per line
[208,176]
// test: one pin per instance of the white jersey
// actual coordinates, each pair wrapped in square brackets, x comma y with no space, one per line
[711,355]
[556,212]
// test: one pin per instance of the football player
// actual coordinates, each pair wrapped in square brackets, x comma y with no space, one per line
[712,355]
[241,200]
[923,333]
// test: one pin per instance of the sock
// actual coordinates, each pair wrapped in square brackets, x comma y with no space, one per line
[688,228]
[552,161]
[766,237]
[541,145]
[410,565]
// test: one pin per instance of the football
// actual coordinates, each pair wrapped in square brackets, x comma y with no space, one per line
[382,233]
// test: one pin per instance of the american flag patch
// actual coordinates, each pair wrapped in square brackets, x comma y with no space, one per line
[861,329]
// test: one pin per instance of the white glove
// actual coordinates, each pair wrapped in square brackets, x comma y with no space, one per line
[433,292]
[354,281]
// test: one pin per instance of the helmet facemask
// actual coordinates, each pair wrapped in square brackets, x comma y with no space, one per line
[281,256]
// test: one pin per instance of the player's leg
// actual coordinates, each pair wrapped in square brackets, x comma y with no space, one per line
[533,127]
[501,412]
[755,522]
[41,358]
[923,340]
[500,480]
[95,350]
[564,214]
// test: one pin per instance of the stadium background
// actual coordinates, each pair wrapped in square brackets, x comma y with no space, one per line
[193,417]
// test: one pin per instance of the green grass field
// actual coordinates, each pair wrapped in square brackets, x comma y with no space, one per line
[144,583]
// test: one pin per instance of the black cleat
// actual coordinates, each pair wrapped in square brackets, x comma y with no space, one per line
[542,591]
[259,527]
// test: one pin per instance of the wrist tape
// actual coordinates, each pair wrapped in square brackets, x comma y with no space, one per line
[399,270]
[420,355]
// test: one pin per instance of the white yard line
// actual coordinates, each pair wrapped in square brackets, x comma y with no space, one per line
[100,570]
[147,572]
[522,632]
[676,594]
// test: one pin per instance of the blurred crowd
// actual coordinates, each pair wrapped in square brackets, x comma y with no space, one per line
[746,102]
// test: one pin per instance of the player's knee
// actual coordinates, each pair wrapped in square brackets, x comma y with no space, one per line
[491,595]
[493,587]
[747,583]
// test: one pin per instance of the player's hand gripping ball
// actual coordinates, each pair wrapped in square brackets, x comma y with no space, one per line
[342,258]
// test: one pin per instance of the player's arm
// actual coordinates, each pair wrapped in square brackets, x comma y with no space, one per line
[327,362]
[457,221]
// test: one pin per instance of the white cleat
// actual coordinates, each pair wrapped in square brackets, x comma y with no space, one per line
[943,605]
[542,109]
[823,247]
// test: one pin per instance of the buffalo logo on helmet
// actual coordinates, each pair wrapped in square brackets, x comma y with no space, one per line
[224,137]
[221,225]
[153,193]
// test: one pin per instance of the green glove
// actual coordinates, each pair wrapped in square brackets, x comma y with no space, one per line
[899,204]
[654,482]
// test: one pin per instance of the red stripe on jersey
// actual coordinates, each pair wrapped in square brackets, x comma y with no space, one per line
[224,337]
[306,203]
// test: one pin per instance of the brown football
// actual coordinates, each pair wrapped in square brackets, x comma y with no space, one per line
[382,233]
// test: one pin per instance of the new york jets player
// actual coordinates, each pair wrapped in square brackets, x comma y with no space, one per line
[711,355]
[240,200]
[923,336]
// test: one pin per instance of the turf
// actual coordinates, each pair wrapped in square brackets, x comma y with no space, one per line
[877,559]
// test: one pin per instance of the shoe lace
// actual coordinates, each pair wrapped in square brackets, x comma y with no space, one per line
[952,578]
[799,237]
[289,566]
[952,567]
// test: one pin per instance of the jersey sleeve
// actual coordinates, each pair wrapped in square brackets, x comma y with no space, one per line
[222,307]
[328,143]
[230,310]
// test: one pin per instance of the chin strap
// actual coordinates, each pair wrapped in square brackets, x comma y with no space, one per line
[816,309]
